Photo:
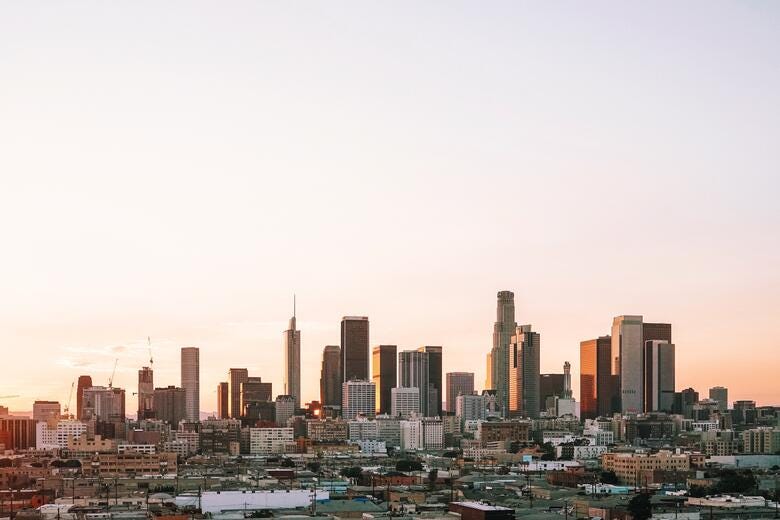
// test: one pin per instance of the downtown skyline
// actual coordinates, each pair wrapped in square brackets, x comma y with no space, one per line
[400,162]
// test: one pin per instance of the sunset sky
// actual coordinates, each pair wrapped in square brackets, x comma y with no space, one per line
[178,170]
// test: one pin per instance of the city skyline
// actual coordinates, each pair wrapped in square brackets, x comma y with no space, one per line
[603,161]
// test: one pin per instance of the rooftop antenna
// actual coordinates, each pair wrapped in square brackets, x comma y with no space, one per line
[293,305]
[149,343]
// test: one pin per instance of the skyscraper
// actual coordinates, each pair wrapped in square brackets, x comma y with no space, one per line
[434,379]
[627,358]
[292,361]
[236,376]
[550,387]
[524,372]
[223,398]
[458,383]
[413,373]
[358,398]
[567,394]
[384,374]
[598,387]
[84,383]
[629,335]
[330,376]
[170,404]
[720,394]
[145,393]
[354,348]
[46,410]
[190,381]
[489,371]
[659,376]
[253,392]
[503,329]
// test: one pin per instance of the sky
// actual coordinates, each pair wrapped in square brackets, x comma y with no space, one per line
[179,170]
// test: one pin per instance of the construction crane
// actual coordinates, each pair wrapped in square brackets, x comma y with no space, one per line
[70,397]
[113,372]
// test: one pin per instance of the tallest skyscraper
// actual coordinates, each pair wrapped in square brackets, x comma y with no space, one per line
[503,330]
[292,360]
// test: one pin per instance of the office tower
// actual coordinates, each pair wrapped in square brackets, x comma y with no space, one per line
[458,383]
[170,405]
[503,329]
[292,361]
[489,371]
[434,379]
[627,349]
[84,382]
[744,412]
[330,376]
[721,395]
[405,401]
[413,373]
[104,404]
[684,401]
[358,398]
[471,407]
[598,388]
[566,380]
[145,393]
[384,374]
[550,387]
[524,372]
[659,376]
[657,332]
[285,408]
[190,381]
[46,410]
[236,376]
[223,398]
[17,433]
[354,348]
[253,392]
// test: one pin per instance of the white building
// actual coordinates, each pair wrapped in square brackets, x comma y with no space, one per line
[405,401]
[426,433]
[148,449]
[372,447]
[268,441]
[358,398]
[433,433]
[411,435]
[556,438]
[363,429]
[583,452]
[285,408]
[47,438]
[389,430]
[599,437]
[471,407]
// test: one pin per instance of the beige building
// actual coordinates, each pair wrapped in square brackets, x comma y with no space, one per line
[761,440]
[635,468]
[130,463]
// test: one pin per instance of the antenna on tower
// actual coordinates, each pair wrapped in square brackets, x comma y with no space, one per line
[293,305]
[149,343]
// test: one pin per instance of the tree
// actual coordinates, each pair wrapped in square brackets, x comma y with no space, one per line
[640,507]
[433,474]
[698,491]
[287,463]
[314,466]
[353,472]
[732,481]
[549,451]
[608,477]
[408,465]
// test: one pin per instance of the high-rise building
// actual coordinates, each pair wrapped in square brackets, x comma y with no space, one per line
[567,393]
[659,376]
[223,398]
[384,374]
[503,329]
[684,401]
[330,376]
[627,349]
[292,361]
[236,376]
[458,383]
[106,404]
[471,407]
[190,381]
[285,408]
[18,433]
[598,397]
[84,382]
[46,410]
[434,379]
[721,395]
[358,398]
[489,371]
[413,373]
[253,392]
[550,387]
[524,372]
[170,405]
[354,348]
[629,334]
[145,393]
[405,401]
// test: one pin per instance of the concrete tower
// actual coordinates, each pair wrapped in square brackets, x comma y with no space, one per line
[354,348]
[292,360]
[503,329]
[190,381]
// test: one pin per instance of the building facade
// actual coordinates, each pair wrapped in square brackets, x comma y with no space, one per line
[190,381]
[354,348]
[503,329]
[358,398]
[458,383]
[384,374]
[524,372]
[330,376]
[292,361]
